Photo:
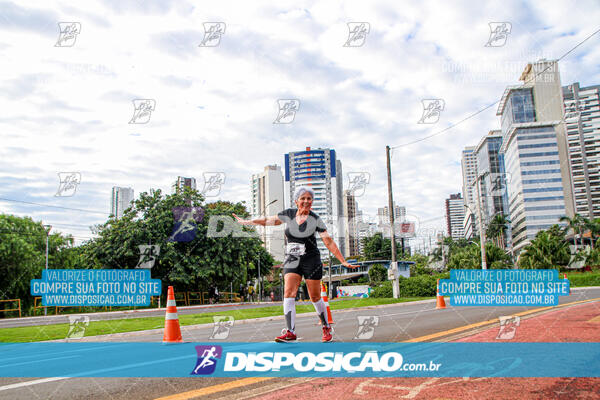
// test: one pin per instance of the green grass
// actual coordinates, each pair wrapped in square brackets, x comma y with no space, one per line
[59,331]
[578,279]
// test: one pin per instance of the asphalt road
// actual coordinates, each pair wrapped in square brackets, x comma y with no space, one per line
[141,313]
[398,322]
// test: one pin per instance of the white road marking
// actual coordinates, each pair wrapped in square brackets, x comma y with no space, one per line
[29,383]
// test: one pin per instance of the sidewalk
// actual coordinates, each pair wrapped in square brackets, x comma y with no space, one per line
[580,323]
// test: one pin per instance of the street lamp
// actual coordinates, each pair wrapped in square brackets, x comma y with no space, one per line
[481,232]
[259,283]
[47,228]
[265,243]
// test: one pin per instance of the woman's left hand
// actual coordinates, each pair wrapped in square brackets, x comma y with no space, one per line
[345,264]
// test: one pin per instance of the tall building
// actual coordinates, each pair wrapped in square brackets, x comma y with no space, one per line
[455,214]
[350,225]
[322,171]
[182,182]
[121,199]
[365,229]
[492,184]
[469,173]
[267,199]
[536,154]
[383,219]
[582,118]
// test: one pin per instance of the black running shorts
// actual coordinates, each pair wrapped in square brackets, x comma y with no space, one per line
[308,266]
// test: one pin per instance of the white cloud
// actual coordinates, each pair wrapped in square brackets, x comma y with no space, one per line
[67,109]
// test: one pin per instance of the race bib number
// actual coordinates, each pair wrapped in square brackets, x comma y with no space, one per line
[295,249]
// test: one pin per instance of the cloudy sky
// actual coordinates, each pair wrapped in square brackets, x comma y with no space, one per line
[68,107]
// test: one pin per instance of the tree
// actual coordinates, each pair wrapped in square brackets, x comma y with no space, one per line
[594,227]
[23,255]
[549,249]
[189,266]
[469,257]
[576,225]
[497,229]
[378,248]
[421,265]
[377,274]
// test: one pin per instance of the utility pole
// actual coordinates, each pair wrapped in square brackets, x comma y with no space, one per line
[394,264]
[48,228]
[329,286]
[443,247]
[481,230]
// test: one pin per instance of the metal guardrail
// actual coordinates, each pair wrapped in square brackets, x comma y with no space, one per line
[195,297]
[182,298]
[18,301]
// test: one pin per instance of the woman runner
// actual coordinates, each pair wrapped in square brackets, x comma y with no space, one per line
[302,258]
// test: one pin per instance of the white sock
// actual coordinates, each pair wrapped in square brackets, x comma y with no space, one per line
[321,310]
[289,311]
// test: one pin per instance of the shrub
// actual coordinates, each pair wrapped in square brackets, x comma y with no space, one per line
[383,290]
[417,286]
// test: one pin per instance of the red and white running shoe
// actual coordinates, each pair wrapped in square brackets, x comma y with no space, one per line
[288,336]
[327,336]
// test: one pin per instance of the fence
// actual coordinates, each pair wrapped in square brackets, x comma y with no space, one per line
[59,309]
[182,299]
[197,298]
[18,301]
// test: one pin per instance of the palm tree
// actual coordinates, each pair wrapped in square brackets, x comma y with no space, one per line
[575,224]
[497,229]
[594,227]
[548,249]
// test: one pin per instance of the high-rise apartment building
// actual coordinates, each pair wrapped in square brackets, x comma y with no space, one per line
[536,154]
[455,214]
[182,182]
[121,199]
[492,183]
[469,174]
[350,225]
[383,220]
[365,229]
[322,171]
[582,118]
[267,199]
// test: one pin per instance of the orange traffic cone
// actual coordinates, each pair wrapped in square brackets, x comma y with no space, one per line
[326,300]
[441,303]
[172,330]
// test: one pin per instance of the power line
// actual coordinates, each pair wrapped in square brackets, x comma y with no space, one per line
[494,103]
[50,206]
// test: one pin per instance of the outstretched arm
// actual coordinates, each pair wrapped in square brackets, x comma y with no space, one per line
[330,244]
[264,221]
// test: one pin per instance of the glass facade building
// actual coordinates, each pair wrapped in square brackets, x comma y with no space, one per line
[534,147]
[493,183]
[322,171]
[582,118]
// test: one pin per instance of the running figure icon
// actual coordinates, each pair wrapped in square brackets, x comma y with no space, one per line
[207,360]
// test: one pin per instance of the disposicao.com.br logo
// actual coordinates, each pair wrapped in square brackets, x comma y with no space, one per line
[370,361]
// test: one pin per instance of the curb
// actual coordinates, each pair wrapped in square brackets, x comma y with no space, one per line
[241,321]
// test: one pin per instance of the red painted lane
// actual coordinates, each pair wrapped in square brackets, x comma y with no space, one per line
[573,324]
[570,324]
